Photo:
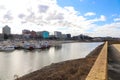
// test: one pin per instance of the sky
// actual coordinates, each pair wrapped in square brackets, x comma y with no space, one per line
[90,17]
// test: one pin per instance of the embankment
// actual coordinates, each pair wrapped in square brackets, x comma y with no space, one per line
[113,63]
[68,70]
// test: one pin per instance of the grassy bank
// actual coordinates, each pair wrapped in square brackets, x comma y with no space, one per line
[67,70]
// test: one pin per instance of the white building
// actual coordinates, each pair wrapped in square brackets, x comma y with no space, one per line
[6,30]
[58,34]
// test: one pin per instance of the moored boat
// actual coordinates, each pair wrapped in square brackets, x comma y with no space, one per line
[28,46]
[45,45]
[7,48]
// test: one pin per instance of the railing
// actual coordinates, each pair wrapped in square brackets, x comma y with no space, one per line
[99,69]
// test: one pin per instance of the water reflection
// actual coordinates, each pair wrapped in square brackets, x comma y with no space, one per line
[58,47]
[21,62]
[36,50]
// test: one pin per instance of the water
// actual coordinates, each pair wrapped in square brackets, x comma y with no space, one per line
[21,62]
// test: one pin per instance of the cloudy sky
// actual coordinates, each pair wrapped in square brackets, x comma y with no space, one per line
[90,17]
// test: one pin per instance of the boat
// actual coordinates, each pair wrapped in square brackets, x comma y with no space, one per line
[37,46]
[7,48]
[45,45]
[28,46]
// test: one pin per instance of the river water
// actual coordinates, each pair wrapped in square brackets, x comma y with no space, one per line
[21,62]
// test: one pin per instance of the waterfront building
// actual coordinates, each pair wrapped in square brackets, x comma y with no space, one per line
[26,33]
[68,36]
[1,37]
[6,30]
[33,34]
[38,33]
[58,34]
[43,34]
[64,36]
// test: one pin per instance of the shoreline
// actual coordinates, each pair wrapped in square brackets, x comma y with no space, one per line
[67,70]
[34,44]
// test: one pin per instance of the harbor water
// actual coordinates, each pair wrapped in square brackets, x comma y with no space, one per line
[21,62]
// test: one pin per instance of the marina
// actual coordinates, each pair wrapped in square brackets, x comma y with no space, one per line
[28,45]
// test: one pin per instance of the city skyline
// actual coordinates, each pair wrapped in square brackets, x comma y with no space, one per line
[89,17]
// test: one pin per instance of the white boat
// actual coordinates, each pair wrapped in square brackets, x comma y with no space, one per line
[37,46]
[42,45]
[7,48]
[28,46]
[45,44]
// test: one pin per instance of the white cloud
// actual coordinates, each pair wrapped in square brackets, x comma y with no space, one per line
[43,8]
[117,19]
[90,14]
[102,18]
[112,29]
[92,21]
[47,15]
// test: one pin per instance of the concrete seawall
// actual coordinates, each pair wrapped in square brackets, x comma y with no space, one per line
[99,69]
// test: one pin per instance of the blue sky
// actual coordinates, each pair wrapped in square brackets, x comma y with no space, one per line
[90,17]
[100,7]
[109,8]
[106,7]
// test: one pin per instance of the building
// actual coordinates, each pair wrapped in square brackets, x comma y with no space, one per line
[43,34]
[58,34]
[68,36]
[1,37]
[64,36]
[33,34]
[6,30]
[26,33]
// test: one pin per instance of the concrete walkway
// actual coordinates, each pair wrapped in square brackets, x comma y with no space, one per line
[114,62]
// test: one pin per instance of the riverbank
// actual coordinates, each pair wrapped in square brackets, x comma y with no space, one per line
[67,70]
